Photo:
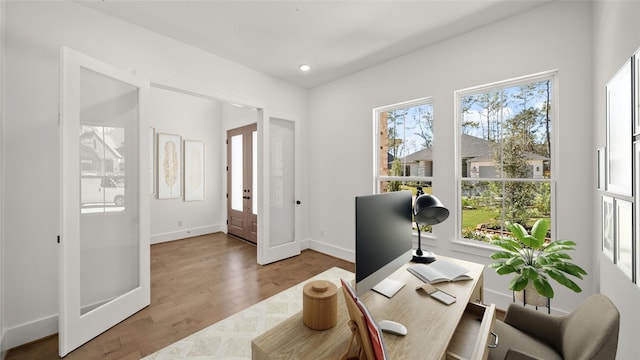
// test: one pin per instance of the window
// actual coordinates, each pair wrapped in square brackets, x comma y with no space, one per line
[102,181]
[505,155]
[404,136]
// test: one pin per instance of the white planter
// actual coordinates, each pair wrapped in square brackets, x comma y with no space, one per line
[530,296]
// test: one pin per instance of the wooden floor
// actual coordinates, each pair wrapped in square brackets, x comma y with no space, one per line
[194,283]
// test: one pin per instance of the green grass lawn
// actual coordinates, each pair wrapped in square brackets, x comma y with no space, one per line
[470,218]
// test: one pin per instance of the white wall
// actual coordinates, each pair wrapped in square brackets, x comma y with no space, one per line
[193,118]
[35,31]
[616,32]
[2,102]
[556,36]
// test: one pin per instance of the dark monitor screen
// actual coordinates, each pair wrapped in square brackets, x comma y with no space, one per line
[383,236]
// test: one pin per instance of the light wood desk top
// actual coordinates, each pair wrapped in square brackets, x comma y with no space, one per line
[430,324]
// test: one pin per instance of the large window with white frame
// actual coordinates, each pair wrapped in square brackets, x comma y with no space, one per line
[403,141]
[505,155]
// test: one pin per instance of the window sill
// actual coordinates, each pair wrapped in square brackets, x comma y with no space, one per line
[471,247]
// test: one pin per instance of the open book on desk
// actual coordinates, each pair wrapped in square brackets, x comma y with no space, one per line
[439,271]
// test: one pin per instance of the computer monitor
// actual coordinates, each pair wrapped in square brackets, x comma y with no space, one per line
[383,236]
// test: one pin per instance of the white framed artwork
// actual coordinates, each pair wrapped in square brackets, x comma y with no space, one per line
[194,170]
[619,127]
[636,81]
[602,169]
[152,162]
[608,242]
[624,236]
[169,166]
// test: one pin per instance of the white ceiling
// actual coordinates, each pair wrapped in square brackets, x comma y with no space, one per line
[336,38]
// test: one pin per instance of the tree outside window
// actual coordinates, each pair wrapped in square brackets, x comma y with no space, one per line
[505,156]
[403,147]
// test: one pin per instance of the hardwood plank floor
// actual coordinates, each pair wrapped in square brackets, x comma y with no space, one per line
[195,282]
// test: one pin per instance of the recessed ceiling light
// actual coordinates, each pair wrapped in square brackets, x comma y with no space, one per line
[304,67]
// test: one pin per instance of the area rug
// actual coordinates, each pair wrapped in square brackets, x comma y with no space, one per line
[230,339]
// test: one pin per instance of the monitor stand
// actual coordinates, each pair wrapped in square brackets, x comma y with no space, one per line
[388,287]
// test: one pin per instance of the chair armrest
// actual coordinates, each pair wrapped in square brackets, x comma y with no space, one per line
[544,327]
[517,355]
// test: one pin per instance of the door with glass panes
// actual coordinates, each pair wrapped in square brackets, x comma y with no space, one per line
[242,210]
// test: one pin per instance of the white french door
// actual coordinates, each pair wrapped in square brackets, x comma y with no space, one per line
[104,225]
[278,202]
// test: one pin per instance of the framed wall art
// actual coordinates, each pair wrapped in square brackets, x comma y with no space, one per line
[619,131]
[636,152]
[624,236]
[169,166]
[608,242]
[636,81]
[602,169]
[152,162]
[194,174]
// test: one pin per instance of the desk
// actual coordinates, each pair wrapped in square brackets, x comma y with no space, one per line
[435,330]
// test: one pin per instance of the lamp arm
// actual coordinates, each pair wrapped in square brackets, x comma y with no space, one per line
[419,250]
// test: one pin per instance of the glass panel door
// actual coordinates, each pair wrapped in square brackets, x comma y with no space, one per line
[104,240]
[109,144]
[278,203]
[282,184]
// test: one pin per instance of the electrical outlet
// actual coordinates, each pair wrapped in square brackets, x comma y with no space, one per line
[179,222]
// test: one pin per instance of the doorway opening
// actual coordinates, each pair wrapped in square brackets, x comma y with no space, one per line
[242,179]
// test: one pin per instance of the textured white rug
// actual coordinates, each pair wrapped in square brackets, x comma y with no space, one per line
[230,339]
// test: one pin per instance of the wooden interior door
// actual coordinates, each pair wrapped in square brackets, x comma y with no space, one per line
[242,209]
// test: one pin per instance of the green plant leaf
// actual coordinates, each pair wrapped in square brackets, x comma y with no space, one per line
[501,255]
[505,269]
[571,269]
[515,261]
[506,244]
[517,230]
[531,242]
[530,272]
[543,287]
[518,283]
[563,280]
[556,256]
[565,242]
[544,260]
[554,247]
[539,230]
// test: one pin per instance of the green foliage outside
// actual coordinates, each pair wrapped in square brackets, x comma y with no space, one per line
[516,122]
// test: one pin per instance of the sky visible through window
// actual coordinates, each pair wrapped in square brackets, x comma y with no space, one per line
[410,129]
[485,113]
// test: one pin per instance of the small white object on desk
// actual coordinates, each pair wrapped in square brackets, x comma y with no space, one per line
[388,287]
[392,327]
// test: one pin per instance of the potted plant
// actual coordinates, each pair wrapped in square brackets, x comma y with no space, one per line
[534,260]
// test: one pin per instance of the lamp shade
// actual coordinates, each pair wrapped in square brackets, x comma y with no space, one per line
[428,210]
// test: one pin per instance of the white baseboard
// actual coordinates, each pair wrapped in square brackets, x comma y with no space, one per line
[502,301]
[332,250]
[38,329]
[3,352]
[185,233]
[22,334]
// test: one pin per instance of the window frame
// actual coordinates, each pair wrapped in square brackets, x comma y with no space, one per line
[377,178]
[552,76]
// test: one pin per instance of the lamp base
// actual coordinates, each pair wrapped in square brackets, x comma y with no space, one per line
[426,257]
